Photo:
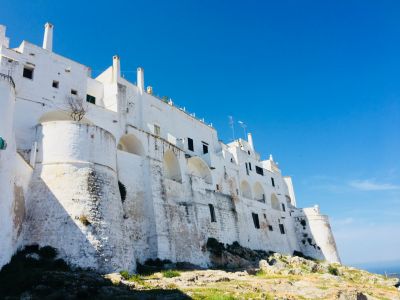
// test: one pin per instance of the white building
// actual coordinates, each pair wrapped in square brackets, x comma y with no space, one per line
[133,178]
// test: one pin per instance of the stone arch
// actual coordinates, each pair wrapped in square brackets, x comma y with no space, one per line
[172,169]
[258,192]
[245,189]
[275,202]
[59,115]
[199,168]
[131,144]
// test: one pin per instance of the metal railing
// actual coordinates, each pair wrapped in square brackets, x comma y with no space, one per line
[8,78]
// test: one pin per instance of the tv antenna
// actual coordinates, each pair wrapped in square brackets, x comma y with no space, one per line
[243,125]
[232,125]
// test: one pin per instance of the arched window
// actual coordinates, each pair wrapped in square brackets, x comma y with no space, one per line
[197,167]
[258,192]
[245,189]
[130,143]
[275,202]
[172,169]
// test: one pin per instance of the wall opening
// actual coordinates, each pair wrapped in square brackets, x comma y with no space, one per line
[131,144]
[275,202]
[122,191]
[258,191]
[197,167]
[256,221]
[245,189]
[212,213]
[172,169]
[282,228]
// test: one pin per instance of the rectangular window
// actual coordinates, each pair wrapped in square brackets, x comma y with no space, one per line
[282,228]
[190,144]
[283,207]
[205,148]
[247,169]
[259,171]
[270,228]
[272,181]
[55,84]
[212,213]
[90,99]
[74,92]
[256,220]
[157,130]
[217,187]
[250,166]
[28,72]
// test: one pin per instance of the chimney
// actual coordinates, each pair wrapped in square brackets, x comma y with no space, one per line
[116,69]
[250,141]
[48,37]
[140,80]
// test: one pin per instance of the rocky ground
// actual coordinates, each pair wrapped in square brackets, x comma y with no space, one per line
[36,274]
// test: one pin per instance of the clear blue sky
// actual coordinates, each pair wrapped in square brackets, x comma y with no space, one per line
[317,82]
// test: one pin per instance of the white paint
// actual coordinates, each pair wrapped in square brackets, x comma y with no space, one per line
[165,214]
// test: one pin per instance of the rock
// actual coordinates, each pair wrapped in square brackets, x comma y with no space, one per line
[115,278]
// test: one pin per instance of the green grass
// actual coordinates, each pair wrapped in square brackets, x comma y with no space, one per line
[333,270]
[171,273]
[131,277]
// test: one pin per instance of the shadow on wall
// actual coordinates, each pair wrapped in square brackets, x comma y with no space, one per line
[73,222]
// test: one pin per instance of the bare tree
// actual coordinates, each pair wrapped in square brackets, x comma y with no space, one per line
[78,108]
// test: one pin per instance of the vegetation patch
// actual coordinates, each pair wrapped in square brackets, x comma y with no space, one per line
[171,273]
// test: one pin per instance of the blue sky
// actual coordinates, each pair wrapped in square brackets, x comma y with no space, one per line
[316,82]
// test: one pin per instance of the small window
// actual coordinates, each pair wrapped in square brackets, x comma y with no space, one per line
[282,228]
[157,130]
[74,92]
[232,160]
[55,84]
[272,181]
[28,72]
[217,187]
[283,207]
[250,166]
[190,144]
[256,220]
[212,213]
[259,171]
[90,99]
[247,169]
[248,152]
[205,148]
[270,228]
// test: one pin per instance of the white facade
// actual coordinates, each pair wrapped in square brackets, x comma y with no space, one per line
[135,178]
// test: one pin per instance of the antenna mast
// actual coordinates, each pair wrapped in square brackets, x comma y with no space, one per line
[231,123]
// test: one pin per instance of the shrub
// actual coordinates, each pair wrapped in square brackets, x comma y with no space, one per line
[84,220]
[171,273]
[333,270]
[47,252]
[124,274]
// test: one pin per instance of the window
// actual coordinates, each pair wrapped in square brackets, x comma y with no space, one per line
[247,169]
[190,144]
[74,92]
[212,213]
[157,130]
[282,228]
[256,220]
[217,187]
[248,152]
[205,147]
[270,228]
[259,171]
[272,181]
[283,207]
[55,84]
[90,99]
[250,166]
[28,72]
